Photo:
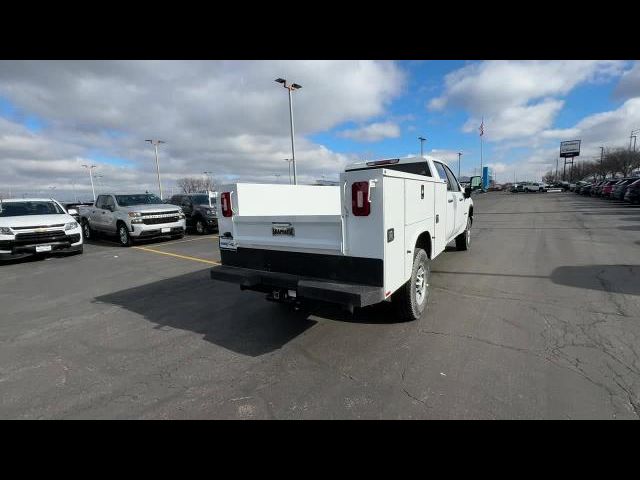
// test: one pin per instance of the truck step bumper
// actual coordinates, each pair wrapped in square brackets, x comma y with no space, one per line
[349,294]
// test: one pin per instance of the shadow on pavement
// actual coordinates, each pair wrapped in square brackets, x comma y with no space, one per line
[610,278]
[630,228]
[239,321]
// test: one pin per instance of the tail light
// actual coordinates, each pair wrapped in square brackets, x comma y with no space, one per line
[225,200]
[360,201]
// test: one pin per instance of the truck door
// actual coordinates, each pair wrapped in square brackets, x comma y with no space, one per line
[95,214]
[460,204]
[450,206]
[108,215]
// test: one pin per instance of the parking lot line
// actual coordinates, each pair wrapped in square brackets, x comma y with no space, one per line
[184,257]
[189,240]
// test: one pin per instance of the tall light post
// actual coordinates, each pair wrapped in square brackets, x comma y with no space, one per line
[99,179]
[210,179]
[602,162]
[90,168]
[290,87]
[422,140]
[155,143]
[634,137]
[459,155]
[288,160]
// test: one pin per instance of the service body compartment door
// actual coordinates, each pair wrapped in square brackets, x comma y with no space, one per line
[418,201]
[393,234]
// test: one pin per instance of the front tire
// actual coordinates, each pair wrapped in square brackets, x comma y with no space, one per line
[411,299]
[201,227]
[87,231]
[463,241]
[123,235]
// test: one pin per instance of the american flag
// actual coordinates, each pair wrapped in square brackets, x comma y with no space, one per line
[482,128]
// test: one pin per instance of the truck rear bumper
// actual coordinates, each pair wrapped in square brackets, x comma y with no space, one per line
[348,294]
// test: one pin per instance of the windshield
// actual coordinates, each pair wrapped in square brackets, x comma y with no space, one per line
[200,199]
[17,209]
[139,199]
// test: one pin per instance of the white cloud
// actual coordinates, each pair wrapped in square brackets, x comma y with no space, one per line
[517,98]
[629,85]
[228,117]
[373,132]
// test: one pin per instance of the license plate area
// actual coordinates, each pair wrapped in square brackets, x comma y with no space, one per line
[166,229]
[43,248]
[283,230]
[227,243]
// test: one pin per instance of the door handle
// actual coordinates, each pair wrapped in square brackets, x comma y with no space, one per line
[459,199]
[450,200]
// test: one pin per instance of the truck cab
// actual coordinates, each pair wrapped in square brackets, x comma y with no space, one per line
[369,239]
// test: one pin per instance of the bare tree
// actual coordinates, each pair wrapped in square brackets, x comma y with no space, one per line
[195,184]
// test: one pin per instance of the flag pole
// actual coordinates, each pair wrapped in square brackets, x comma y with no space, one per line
[481,135]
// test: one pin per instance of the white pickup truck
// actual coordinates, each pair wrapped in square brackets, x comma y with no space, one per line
[371,239]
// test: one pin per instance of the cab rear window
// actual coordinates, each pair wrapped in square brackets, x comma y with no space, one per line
[420,168]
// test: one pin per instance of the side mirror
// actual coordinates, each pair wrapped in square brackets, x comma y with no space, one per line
[72,211]
[476,183]
[467,192]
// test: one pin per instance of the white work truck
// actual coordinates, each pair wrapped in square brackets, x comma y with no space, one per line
[370,239]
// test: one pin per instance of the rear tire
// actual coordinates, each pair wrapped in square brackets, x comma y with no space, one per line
[463,241]
[411,299]
[123,235]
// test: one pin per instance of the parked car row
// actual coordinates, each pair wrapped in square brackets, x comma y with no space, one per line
[529,187]
[38,226]
[623,189]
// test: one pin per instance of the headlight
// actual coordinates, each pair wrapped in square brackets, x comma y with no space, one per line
[134,214]
[211,211]
[71,225]
[181,216]
[5,231]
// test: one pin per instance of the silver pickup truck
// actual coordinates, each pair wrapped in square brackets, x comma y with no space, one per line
[131,217]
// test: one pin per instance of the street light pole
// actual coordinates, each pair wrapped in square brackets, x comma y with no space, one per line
[459,155]
[210,179]
[422,140]
[290,88]
[602,161]
[288,160]
[633,136]
[90,168]
[155,143]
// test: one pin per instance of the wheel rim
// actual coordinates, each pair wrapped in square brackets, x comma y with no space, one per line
[123,236]
[421,285]
[199,227]
[87,232]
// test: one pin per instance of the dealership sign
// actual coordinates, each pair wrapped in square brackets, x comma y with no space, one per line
[570,148]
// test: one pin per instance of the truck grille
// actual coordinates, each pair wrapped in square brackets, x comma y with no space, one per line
[32,238]
[25,239]
[156,221]
[156,218]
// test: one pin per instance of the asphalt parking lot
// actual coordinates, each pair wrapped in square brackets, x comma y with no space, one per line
[539,319]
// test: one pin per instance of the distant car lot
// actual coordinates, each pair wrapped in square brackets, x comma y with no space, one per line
[143,332]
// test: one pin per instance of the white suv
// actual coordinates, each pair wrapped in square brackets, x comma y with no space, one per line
[35,225]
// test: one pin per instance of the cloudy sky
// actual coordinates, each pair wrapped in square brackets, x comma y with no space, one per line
[231,118]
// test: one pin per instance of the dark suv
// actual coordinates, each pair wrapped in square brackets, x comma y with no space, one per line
[199,212]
